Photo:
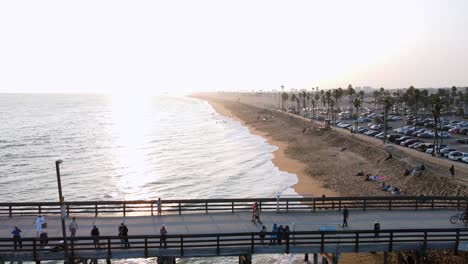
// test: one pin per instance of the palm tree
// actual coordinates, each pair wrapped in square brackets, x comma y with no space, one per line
[357,104]
[350,92]
[436,109]
[387,104]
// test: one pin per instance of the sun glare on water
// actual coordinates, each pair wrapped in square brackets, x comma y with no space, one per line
[129,115]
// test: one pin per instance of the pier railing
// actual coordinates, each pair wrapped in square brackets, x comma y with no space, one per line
[280,205]
[224,244]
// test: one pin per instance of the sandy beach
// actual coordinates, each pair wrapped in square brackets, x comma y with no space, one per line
[306,186]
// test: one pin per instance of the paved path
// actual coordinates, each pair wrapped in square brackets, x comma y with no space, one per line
[237,222]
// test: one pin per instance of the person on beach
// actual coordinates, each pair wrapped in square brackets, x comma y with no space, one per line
[73,227]
[162,240]
[39,223]
[452,171]
[279,234]
[274,231]
[345,214]
[17,237]
[95,234]
[262,235]
[376,230]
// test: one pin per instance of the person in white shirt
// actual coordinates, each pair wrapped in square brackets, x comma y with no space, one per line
[39,222]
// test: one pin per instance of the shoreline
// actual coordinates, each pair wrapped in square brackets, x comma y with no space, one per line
[306,185]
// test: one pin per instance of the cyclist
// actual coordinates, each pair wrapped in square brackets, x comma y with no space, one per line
[465,215]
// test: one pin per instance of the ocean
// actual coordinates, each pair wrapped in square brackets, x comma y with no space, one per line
[132,147]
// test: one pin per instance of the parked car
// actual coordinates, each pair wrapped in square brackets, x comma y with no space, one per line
[371,133]
[426,135]
[447,150]
[392,137]
[415,145]
[463,140]
[424,146]
[377,127]
[465,159]
[399,140]
[457,155]
[408,142]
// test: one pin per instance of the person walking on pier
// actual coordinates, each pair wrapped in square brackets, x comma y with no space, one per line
[95,234]
[123,234]
[162,240]
[254,211]
[376,230]
[279,234]
[273,235]
[39,225]
[262,235]
[345,213]
[17,237]
[73,227]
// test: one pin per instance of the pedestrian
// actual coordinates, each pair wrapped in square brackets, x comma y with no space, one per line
[162,240]
[273,235]
[39,225]
[286,232]
[73,227]
[159,205]
[376,229]
[452,171]
[124,235]
[122,241]
[254,209]
[280,234]
[44,238]
[345,213]
[262,235]
[257,215]
[466,214]
[17,237]
[95,235]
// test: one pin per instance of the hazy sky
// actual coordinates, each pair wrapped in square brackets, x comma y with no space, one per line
[150,46]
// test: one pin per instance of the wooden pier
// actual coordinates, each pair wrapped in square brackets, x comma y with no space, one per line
[209,228]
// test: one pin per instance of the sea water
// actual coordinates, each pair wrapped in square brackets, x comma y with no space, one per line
[132,147]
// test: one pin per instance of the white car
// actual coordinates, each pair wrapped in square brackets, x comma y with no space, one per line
[457,155]
[465,159]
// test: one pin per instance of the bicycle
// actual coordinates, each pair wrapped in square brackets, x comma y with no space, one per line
[458,217]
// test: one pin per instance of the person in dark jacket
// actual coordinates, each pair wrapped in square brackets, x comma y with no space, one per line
[345,213]
[17,237]
[376,230]
[162,240]
[95,235]
[279,234]
[125,235]
[262,235]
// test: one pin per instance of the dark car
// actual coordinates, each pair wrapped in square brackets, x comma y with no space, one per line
[399,140]
[392,137]
[425,146]
[463,140]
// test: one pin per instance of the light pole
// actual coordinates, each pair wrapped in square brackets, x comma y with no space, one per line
[62,210]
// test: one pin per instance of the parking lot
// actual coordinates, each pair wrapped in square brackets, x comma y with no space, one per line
[415,132]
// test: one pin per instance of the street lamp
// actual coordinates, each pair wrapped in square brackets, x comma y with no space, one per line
[62,209]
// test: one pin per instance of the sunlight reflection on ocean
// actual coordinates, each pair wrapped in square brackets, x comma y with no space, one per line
[126,148]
